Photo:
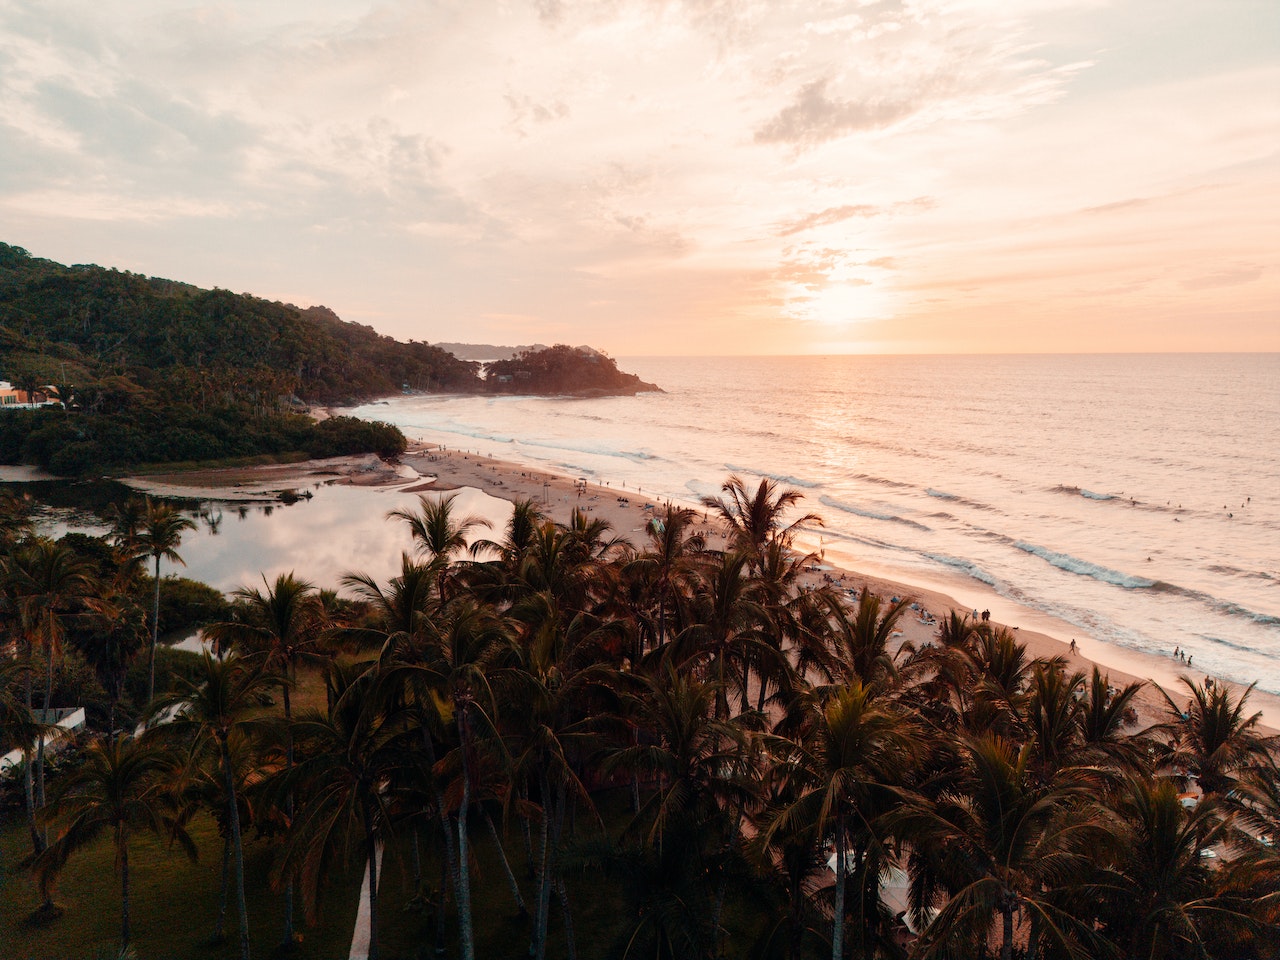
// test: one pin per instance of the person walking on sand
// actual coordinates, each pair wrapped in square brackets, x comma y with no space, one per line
[1073,646]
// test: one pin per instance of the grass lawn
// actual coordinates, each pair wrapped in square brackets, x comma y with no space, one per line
[174,904]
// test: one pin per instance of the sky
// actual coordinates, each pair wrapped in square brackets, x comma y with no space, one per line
[700,177]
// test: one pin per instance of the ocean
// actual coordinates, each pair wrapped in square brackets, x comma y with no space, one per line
[1129,501]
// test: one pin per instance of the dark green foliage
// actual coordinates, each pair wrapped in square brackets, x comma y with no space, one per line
[562,369]
[203,347]
[342,436]
[185,604]
[171,665]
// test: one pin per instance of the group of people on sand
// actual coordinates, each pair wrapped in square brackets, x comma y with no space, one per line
[1182,656]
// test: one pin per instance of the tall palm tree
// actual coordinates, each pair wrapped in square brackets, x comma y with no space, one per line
[118,786]
[679,839]
[51,581]
[726,638]
[19,722]
[464,641]
[159,537]
[1216,741]
[283,626]
[440,535]
[997,840]
[1163,898]
[855,756]
[667,565]
[347,757]
[754,518]
[223,696]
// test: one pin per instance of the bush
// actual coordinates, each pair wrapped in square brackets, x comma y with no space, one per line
[171,665]
[346,436]
[184,604]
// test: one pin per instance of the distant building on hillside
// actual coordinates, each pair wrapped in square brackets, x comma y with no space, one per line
[11,396]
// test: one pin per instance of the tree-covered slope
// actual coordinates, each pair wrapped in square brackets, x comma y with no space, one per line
[95,322]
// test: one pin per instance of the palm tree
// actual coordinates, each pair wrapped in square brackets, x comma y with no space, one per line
[854,755]
[998,840]
[283,626]
[726,636]
[1215,741]
[861,640]
[1163,897]
[348,755]
[438,534]
[159,536]
[118,786]
[50,581]
[221,698]
[685,830]
[16,523]
[667,565]
[18,721]
[756,518]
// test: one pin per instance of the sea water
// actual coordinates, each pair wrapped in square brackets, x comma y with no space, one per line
[1130,499]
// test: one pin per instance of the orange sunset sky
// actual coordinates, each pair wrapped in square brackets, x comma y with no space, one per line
[664,177]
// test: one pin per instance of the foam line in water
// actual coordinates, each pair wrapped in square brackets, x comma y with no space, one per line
[965,566]
[869,514]
[778,477]
[882,481]
[1064,561]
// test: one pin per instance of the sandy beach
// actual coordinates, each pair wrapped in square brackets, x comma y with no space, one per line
[428,467]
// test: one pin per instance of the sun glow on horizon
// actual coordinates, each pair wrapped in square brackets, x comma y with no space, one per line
[840,304]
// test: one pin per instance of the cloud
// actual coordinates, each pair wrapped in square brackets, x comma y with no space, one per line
[813,117]
[1230,277]
[850,211]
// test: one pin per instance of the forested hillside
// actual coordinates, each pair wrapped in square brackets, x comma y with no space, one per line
[157,371]
[201,346]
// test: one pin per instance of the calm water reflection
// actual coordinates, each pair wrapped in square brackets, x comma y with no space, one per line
[341,529]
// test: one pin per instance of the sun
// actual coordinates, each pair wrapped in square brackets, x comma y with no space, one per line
[839,304]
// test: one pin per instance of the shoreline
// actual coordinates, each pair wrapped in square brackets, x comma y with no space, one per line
[436,468]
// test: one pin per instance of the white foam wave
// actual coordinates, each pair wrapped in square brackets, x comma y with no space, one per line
[1064,561]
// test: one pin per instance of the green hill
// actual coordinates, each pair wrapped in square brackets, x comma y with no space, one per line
[157,371]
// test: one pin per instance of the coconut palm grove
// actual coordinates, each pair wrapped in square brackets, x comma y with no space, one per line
[545,741]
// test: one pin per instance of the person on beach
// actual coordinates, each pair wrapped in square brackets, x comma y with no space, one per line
[1073,646]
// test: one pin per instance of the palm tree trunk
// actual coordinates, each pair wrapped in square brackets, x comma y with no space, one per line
[464,867]
[37,839]
[123,841]
[48,702]
[442,813]
[531,869]
[29,798]
[538,948]
[724,880]
[446,878]
[523,911]
[415,861]
[155,635]
[220,924]
[373,878]
[837,922]
[562,894]
[233,811]
[1006,948]
[286,937]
